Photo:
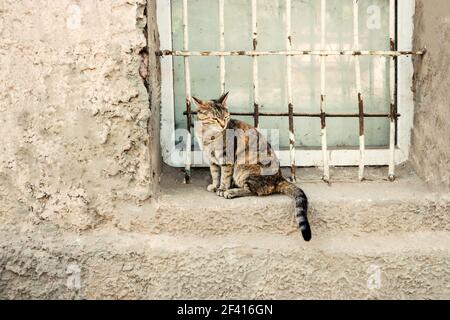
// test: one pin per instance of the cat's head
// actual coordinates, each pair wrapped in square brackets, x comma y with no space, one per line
[213,113]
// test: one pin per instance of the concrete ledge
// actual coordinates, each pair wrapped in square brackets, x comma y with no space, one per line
[138,266]
[345,207]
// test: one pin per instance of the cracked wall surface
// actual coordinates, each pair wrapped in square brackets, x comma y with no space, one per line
[431,134]
[79,126]
[79,139]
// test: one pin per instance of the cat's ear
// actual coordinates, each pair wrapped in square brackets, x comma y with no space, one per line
[223,99]
[200,104]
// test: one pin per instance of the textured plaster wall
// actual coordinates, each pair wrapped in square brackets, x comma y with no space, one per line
[79,97]
[138,266]
[79,144]
[431,134]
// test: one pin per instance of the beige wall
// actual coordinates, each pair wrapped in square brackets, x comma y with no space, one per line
[77,131]
[80,131]
[431,134]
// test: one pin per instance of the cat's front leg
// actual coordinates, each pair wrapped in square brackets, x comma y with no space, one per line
[215,174]
[226,179]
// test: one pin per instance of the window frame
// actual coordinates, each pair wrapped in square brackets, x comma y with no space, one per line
[306,157]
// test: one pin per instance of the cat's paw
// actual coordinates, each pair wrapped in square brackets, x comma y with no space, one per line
[212,188]
[221,192]
[228,194]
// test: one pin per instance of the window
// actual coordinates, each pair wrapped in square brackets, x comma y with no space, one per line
[333,76]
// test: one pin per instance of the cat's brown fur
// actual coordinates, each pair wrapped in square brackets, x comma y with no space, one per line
[242,162]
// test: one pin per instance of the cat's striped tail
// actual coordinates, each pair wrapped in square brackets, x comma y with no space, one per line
[301,206]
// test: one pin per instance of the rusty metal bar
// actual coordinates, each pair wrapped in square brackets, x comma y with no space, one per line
[392,63]
[324,142]
[222,44]
[187,83]
[362,140]
[255,53]
[255,62]
[289,91]
[311,115]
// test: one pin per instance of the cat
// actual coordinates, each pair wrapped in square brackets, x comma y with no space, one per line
[242,162]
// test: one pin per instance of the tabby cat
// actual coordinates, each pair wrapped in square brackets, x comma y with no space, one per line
[242,162]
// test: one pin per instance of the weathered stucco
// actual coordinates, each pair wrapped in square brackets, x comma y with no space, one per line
[80,165]
[431,134]
[406,206]
[78,137]
[253,266]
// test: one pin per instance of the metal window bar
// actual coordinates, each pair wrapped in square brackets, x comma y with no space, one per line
[392,54]
[362,140]
[289,91]
[386,53]
[187,83]
[222,44]
[392,77]
[309,115]
[326,168]
[255,62]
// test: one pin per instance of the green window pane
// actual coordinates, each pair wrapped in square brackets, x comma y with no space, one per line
[340,73]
